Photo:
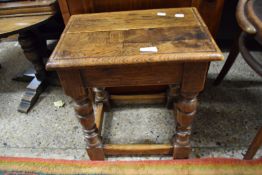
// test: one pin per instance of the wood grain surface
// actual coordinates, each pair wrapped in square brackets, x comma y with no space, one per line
[116,38]
[27,7]
[210,10]
[18,23]
[16,16]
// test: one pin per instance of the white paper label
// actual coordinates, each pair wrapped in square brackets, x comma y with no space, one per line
[161,14]
[179,15]
[148,49]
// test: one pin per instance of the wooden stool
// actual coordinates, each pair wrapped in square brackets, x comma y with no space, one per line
[148,47]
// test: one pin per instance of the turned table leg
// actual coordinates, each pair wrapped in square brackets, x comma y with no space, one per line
[185,112]
[32,50]
[86,117]
[102,96]
[171,95]
[73,86]
[193,81]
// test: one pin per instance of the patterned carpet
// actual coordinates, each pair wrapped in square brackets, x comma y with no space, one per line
[210,166]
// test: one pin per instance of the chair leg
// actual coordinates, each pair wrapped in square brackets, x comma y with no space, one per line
[234,51]
[256,143]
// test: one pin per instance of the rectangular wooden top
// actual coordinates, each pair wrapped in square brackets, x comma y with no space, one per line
[116,38]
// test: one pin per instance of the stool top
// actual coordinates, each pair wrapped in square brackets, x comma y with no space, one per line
[134,37]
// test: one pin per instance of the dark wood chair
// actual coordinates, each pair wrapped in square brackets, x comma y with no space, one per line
[249,18]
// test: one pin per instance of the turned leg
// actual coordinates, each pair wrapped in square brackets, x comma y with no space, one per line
[86,117]
[73,86]
[171,95]
[101,96]
[32,50]
[185,111]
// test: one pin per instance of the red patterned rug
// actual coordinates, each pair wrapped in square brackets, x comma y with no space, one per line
[210,166]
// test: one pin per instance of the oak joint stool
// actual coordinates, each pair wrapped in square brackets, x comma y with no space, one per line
[135,48]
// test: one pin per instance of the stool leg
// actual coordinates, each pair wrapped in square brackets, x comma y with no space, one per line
[256,143]
[185,112]
[101,96]
[74,87]
[86,117]
[171,95]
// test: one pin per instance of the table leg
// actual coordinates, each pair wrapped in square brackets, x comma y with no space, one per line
[185,112]
[193,81]
[32,50]
[171,95]
[86,117]
[102,96]
[33,90]
[73,86]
